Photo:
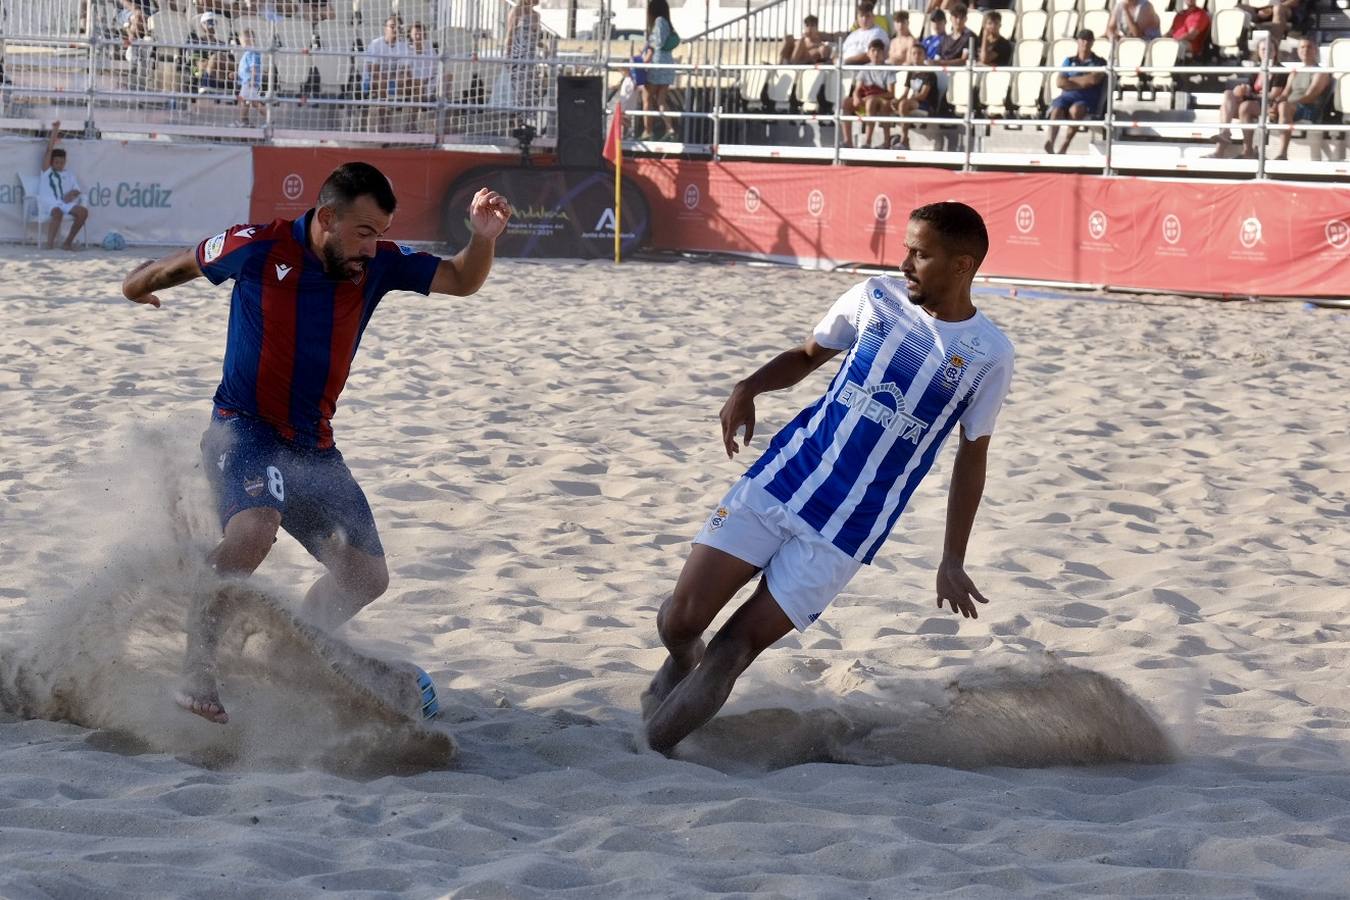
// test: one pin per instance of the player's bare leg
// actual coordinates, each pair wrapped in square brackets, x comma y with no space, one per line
[247,541]
[708,581]
[354,579]
[697,698]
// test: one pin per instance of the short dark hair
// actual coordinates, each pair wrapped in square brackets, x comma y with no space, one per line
[993,16]
[811,20]
[58,153]
[877,44]
[961,10]
[357,179]
[957,223]
[901,15]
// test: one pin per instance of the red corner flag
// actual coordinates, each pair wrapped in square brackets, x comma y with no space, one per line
[614,140]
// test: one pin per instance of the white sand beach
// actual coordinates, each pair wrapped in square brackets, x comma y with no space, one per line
[1167,508]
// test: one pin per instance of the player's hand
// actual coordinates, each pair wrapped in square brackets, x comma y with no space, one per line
[128,286]
[955,587]
[489,212]
[738,411]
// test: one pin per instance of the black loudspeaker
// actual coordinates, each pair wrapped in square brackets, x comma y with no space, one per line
[581,120]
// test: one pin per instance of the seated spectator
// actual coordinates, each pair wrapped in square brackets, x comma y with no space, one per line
[1191,28]
[1133,18]
[420,71]
[1242,101]
[1307,96]
[920,95]
[213,66]
[937,33]
[811,48]
[383,73]
[884,22]
[994,48]
[960,40]
[856,46]
[58,194]
[1279,18]
[1081,94]
[873,94]
[903,39]
[250,78]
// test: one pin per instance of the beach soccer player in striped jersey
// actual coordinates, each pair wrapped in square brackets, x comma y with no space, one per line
[919,360]
[304,291]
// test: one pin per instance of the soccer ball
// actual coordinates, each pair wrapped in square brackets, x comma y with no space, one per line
[114,241]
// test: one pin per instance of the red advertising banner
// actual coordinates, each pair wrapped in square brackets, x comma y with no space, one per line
[1237,238]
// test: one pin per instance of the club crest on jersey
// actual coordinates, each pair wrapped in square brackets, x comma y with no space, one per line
[719,518]
[254,486]
[213,247]
[885,405]
[953,368]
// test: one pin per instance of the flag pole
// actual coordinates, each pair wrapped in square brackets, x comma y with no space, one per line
[618,180]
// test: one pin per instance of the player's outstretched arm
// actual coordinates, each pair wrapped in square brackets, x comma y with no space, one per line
[157,274]
[953,584]
[465,272]
[783,371]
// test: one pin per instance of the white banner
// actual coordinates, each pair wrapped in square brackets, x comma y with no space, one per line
[148,192]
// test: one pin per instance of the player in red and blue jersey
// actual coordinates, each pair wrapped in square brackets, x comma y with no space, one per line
[304,291]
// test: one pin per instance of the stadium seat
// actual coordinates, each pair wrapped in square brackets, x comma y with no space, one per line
[1029,53]
[1163,51]
[1007,26]
[995,89]
[959,90]
[335,35]
[371,11]
[815,85]
[1064,23]
[334,71]
[975,21]
[1338,54]
[1226,32]
[1063,6]
[1165,19]
[1025,6]
[1062,49]
[1217,5]
[172,28]
[1029,94]
[295,34]
[411,11]
[1031,25]
[261,28]
[1342,99]
[780,86]
[292,71]
[1130,54]
[751,85]
[1096,20]
[1090,5]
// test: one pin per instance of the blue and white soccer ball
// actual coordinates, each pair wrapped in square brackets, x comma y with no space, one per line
[114,241]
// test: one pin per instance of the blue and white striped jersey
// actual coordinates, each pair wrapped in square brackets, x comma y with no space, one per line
[848,463]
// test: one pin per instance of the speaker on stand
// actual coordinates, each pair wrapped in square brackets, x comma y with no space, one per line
[581,120]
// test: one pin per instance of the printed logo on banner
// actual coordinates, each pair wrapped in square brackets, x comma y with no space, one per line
[752,199]
[1171,229]
[691,196]
[1025,219]
[1097,224]
[1338,234]
[292,186]
[815,202]
[881,207]
[1250,232]
[606,221]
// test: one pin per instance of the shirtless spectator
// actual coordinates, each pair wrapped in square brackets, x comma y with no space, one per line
[903,40]
[809,49]
[855,50]
[995,49]
[1191,28]
[873,95]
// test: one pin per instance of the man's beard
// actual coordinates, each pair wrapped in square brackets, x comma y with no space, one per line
[337,266]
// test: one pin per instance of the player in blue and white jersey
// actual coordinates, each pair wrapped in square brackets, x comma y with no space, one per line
[919,361]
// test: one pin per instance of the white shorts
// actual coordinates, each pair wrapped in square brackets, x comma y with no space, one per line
[63,206]
[250,93]
[805,572]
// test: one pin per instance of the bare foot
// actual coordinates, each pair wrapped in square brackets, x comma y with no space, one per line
[1050,146]
[667,678]
[199,697]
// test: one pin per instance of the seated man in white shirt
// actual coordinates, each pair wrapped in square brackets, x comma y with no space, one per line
[58,194]
[385,66]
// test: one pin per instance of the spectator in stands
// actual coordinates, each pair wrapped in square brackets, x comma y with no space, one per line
[385,59]
[1191,28]
[919,95]
[937,33]
[250,77]
[59,193]
[1133,18]
[856,45]
[422,65]
[884,22]
[811,48]
[960,41]
[524,36]
[994,48]
[1242,102]
[213,68]
[661,42]
[904,39]
[1279,18]
[1307,96]
[1081,95]
[873,94]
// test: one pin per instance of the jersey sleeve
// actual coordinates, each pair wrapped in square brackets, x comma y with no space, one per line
[839,329]
[406,269]
[978,419]
[224,255]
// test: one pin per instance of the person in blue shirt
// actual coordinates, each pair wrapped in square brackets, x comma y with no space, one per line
[304,291]
[250,77]
[1081,94]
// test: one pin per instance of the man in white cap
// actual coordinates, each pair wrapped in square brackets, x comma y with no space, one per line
[214,67]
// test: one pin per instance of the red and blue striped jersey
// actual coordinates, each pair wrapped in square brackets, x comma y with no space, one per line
[294,331]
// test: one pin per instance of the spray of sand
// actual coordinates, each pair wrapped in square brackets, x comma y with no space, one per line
[107,657]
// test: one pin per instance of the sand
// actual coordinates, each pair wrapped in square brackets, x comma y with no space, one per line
[1163,538]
